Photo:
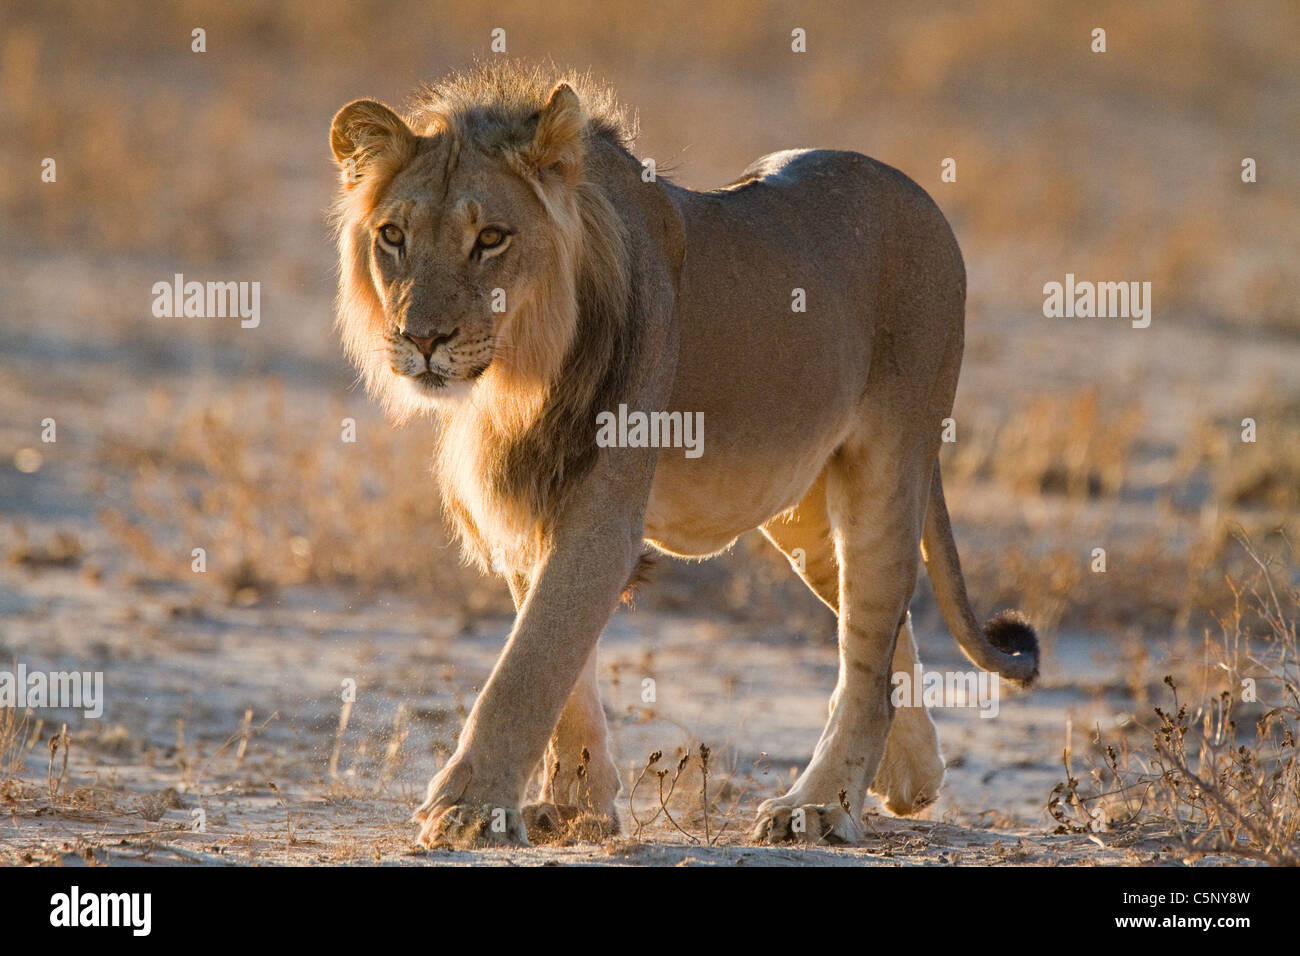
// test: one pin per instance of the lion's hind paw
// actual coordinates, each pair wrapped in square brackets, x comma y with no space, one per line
[564,823]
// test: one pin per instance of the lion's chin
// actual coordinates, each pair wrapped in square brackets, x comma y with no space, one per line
[434,391]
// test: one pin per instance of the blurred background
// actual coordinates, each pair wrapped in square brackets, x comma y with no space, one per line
[1072,434]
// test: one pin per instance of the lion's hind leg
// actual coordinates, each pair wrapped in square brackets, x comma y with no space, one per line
[854,540]
[578,781]
[911,771]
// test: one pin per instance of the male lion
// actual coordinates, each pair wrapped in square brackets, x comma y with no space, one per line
[506,267]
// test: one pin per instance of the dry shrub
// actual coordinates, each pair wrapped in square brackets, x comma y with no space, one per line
[1221,771]
[16,736]
[692,798]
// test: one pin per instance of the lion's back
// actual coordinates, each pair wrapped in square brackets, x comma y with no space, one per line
[832,192]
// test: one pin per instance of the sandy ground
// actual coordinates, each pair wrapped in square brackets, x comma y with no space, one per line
[169,739]
[179,680]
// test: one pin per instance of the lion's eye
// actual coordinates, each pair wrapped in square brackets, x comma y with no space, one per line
[391,234]
[491,238]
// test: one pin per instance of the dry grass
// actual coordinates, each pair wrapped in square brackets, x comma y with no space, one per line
[1069,444]
[276,498]
[1221,772]
[1261,475]
[18,732]
[1071,472]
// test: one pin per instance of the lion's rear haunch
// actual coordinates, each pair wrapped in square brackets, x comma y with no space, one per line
[1010,632]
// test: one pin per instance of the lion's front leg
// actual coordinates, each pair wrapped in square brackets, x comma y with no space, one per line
[578,779]
[475,798]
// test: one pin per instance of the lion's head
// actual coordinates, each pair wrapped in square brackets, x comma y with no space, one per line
[463,233]
[485,277]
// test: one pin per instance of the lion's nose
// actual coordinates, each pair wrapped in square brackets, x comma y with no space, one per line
[427,345]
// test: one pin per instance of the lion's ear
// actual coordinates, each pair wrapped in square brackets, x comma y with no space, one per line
[365,134]
[557,146]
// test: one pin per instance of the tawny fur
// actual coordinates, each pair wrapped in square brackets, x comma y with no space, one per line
[823,424]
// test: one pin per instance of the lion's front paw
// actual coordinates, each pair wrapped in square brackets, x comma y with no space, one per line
[467,826]
[546,821]
[453,815]
[819,823]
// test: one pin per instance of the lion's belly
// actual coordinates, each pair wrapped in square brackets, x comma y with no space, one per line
[698,507]
[697,529]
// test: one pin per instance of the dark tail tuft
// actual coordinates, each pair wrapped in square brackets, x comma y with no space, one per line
[1011,633]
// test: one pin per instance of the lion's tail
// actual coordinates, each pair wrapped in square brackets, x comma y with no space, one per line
[1006,644]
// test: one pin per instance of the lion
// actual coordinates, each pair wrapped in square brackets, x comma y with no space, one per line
[508,268]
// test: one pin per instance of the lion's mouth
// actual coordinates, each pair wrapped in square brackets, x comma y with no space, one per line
[435,381]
